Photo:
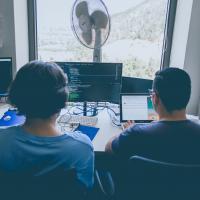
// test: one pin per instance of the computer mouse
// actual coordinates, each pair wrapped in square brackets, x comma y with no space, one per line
[7,118]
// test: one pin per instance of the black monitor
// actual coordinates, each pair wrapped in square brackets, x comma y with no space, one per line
[5,75]
[136,85]
[93,82]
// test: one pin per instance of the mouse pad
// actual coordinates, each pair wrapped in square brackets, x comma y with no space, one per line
[10,118]
[88,130]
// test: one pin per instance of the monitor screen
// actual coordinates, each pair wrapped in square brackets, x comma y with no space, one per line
[93,82]
[5,75]
[137,107]
[136,85]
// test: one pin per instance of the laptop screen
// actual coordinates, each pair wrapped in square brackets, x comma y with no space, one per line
[137,107]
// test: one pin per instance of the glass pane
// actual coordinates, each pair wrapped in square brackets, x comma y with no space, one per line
[136,37]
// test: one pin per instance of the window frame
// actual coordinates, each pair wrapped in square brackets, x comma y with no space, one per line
[167,41]
[168,33]
[32,29]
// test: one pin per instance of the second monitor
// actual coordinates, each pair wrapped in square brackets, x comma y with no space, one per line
[93,82]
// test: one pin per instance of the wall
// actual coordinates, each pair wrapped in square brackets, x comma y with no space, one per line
[186,47]
[181,31]
[192,57]
[21,32]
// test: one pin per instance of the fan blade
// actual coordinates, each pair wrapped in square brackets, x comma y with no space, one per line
[84,21]
[82,9]
[99,19]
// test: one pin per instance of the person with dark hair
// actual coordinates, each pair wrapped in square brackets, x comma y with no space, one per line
[173,137]
[37,147]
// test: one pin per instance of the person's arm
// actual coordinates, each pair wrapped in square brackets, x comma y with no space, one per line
[108,147]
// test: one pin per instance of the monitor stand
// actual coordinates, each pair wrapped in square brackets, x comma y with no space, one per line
[93,110]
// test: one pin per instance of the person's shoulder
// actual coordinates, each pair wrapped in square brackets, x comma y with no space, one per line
[143,128]
[8,131]
[194,124]
[80,139]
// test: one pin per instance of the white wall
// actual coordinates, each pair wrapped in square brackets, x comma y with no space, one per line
[180,35]
[192,57]
[186,47]
[21,32]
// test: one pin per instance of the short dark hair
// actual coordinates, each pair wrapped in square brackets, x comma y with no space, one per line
[173,85]
[39,90]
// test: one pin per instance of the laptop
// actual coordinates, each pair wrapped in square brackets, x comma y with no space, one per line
[137,107]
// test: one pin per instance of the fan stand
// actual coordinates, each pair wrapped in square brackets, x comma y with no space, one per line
[97,57]
[97,54]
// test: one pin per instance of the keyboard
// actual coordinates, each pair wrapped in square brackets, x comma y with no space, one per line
[78,119]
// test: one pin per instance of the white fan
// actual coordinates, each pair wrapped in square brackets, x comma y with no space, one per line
[91,25]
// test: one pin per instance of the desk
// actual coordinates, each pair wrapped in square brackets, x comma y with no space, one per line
[106,131]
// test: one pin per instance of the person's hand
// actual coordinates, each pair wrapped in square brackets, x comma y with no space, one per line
[128,124]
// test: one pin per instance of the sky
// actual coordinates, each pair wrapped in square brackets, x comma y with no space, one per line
[58,12]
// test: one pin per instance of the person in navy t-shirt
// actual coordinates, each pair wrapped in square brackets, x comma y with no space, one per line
[173,138]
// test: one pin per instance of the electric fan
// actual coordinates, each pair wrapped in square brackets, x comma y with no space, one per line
[91,25]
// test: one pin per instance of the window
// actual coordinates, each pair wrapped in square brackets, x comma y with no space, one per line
[136,38]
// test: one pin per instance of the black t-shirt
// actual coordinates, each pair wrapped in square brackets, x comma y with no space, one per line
[170,141]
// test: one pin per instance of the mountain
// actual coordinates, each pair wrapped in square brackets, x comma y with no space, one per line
[145,21]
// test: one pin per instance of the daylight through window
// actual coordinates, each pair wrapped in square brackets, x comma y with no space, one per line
[136,37]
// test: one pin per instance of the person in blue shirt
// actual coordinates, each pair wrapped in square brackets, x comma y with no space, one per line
[173,138]
[37,147]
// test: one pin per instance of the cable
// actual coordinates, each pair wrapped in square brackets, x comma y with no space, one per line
[115,121]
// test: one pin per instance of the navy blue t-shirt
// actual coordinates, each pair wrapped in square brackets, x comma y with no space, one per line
[172,141]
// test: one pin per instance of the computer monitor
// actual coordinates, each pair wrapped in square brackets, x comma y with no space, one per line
[93,82]
[137,107]
[5,75]
[136,85]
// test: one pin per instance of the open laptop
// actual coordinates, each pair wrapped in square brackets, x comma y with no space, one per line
[137,107]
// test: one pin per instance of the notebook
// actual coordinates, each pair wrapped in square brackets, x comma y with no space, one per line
[88,130]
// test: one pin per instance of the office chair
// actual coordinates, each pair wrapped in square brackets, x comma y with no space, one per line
[143,179]
[104,187]
[54,186]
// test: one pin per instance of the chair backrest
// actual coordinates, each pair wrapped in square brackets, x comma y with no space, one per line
[51,186]
[158,172]
[149,179]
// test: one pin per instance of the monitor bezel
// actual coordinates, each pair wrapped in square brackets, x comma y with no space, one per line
[11,73]
[92,63]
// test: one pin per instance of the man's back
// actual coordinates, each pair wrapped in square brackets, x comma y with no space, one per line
[22,152]
[173,141]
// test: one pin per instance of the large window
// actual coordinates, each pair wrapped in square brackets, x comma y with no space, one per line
[136,38]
